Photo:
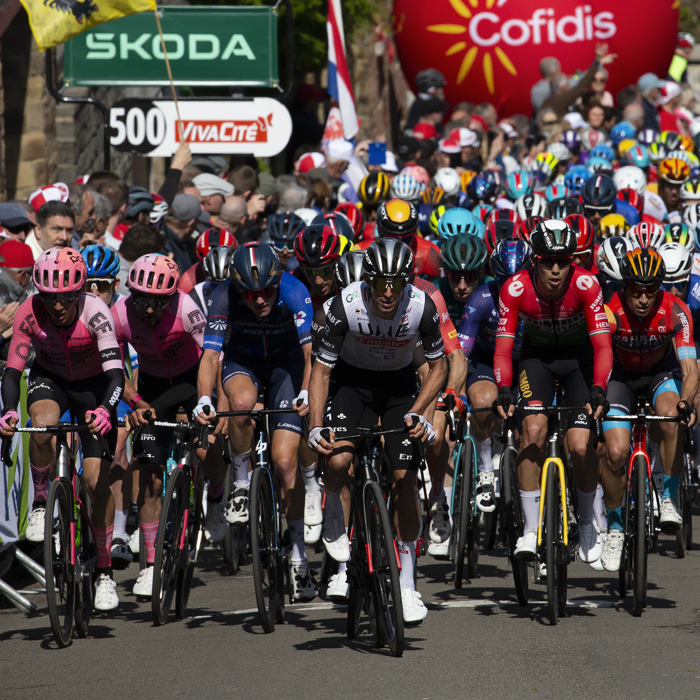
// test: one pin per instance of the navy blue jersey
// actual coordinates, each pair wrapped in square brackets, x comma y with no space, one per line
[286,327]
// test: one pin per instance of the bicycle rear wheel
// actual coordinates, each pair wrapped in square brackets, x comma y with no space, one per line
[60,573]
[84,578]
[552,529]
[387,589]
[193,540]
[642,505]
[262,548]
[230,546]
[514,522]
[167,557]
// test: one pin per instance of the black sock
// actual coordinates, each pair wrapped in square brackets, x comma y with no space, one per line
[106,570]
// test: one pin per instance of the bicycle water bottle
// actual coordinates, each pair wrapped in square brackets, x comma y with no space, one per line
[76,511]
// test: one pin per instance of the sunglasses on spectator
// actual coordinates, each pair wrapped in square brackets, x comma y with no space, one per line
[551,122]
[64,298]
[325,273]
[469,276]
[102,284]
[381,283]
[144,302]
[560,260]
[636,290]
[255,294]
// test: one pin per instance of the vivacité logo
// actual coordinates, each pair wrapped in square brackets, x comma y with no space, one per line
[490,49]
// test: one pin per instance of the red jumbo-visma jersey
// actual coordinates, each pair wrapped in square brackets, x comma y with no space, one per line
[569,319]
[639,345]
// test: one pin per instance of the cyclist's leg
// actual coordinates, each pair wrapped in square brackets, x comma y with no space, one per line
[120,477]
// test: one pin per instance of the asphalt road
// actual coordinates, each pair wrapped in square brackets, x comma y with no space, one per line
[476,642]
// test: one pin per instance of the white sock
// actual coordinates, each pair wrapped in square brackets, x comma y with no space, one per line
[586,512]
[296,531]
[120,524]
[483,450]
[599,509]
[241,463]
[531,509]
[333,505]
[407,557]
[343,566]
[308,474]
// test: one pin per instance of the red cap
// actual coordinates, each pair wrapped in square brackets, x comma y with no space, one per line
[16,254]
[479,120]
[424,131]
[311,160]
[48,193]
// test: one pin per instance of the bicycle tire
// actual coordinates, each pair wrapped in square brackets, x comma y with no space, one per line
[473,519]
[385,574]
[513,520]
[60,596]
[641,508]
[490,530]
[460,519]
[230,548]
[167,556]
[680,532]
[84,580]
[354,610]
[357,572]
[688,513]
[262,548]
[551,510]
[625,570]
[193,539]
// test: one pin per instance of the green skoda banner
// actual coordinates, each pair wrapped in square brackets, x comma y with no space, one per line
[205,46]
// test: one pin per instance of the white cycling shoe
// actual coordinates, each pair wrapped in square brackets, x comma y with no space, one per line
[335,540]
[106,594]
[144,583]
[590,544]
[338,587]
[526,546]
[35,524]
[414,610]
[313,510]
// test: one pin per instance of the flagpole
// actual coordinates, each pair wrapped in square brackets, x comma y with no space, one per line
[170,76]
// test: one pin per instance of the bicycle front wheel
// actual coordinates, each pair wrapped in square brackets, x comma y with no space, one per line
[387,588]
[552,527]
[60,572]
[167,557]
[262,548]
[84,577]
[460,515]
[189,554]
[642,506]
[514,522]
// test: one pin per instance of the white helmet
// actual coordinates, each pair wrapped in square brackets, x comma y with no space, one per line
[610,252]
[306,214]
[559,151]
[678,260]
[448,179]
[406,187]
[691,214]
[630,176]
[647,235]
[530,205]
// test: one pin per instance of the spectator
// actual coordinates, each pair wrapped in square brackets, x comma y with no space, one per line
[103,213]
[15,220]
[293,198]
[669,100]
[306,128]
[629,95]
[55,225]
[138,240]
[213,191]
[245,181]
[598,88]
[679,64]
[16,263]
[650,86]
[432,112]
[594,112]
[83,203]
[233,216]
[118,195]
[138,210]
[634,114]
[547,122]
[99,178]
[179,226]
[541,90]
[431,84]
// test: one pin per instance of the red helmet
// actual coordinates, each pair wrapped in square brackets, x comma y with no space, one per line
[317,245]
[502,215]
[497,231]
[631,197]
[212,238]
[354,216]
[647,235]
[526,227]
[585,234]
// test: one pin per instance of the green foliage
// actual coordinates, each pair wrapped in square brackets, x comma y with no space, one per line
[688,17]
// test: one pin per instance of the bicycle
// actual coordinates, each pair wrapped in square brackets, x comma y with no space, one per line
[640,496]
[180,528]
[373,569]
[70,553]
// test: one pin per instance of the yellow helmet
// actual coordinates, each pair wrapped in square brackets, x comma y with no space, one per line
[345,244]
[613,225]
[625,146]
[674,170]
[466,177]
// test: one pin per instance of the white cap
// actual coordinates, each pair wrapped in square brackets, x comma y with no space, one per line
[390,163]
[340,149]
[508,130]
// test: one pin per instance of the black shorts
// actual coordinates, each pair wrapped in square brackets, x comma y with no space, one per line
[537,384]
[480,368]
[364,398]
[167,397]
[78,397]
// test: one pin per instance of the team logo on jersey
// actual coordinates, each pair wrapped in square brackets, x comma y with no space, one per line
[341,416]
[284,404]
[218,325]
[584,282]
[516,288]
[301,315]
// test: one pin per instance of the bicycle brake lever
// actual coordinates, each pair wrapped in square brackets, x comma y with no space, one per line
[6,454]
[503,431]
[106,454]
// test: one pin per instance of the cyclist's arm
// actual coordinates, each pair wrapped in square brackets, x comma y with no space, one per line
[194,320]
[208,372]
[306,349]
[689,386]
[469,329]
[591,298]
[509,309]
[20,345]
[457,370]
[101,326]
[317,324]
[318,392]
[682,321]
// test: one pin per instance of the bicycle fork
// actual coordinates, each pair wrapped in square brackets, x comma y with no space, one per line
[556,463]
[639,450]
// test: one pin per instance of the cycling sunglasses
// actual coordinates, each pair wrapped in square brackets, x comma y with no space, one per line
[102,284]
[144,302]
[283,249]
[381,283]
[561,260]
[681,285]
[64,298]
[584,256]
[636,290]
[254,294]
[469,276]
[325,273]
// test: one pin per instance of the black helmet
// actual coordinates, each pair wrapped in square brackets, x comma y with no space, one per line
[397,217]
[561,207]
[553,237]
[284,227]
[349,268]
[388,258]
[255,265]
[318,245]
[216,264]
[374,189]
[599,192]
[643,266]
[338,222]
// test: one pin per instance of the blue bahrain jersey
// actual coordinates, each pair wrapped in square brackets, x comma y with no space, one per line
[287,326]
[693,302]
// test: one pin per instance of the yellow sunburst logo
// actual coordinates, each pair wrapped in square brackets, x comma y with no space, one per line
[470,56]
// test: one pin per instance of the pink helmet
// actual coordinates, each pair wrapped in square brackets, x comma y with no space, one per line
[60,270]
[154,274]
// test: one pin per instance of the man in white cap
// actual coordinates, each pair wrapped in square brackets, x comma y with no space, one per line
[650,84]
[213,190]
[669,101]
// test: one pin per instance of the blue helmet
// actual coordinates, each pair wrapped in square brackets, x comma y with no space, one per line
[101,261]
[481,211]
[463,200]
[284,227]
[456,221]
[575,177]
[519,183]
[425,210]
[602,166]
[255,265]
[510,255]
[483,188]
[603,151]
[639,156]
[622,131]
[556,191]
[628,211]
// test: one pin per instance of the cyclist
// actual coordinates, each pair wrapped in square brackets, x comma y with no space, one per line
[673,174]
[166,328]
[216,268]
[283,229]
[477,335]
[268,314]
[599,195]
[77,367]
[610,253]
[317,247]
[375,381]
[566,339]
[655,355]
[211,238]
[373,190]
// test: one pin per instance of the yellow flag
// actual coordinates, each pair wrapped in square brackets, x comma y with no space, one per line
[56,21]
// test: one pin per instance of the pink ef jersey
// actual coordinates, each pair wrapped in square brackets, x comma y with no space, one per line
[170,348]
[85,349]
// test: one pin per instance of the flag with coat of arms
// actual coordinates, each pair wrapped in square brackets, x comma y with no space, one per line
[339,85]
